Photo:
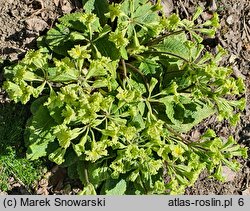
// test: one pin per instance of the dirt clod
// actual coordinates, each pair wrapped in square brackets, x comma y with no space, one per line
[36,24]
[246,192]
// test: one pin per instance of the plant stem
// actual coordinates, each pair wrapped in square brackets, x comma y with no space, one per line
[164,52]
[124,68]
[186,88]
[124,73]
[86,176]
[176,134]
[143,185]
[158,39]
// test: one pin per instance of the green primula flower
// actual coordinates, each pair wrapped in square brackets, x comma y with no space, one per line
[128,132]
[98,150]
[79,52]
[118,37]
[114,11]
[116,170]
[69,114]
[128,95]
[95,101]
[58,156]
[65,134]
[176,151]
[14,90]
[155,130]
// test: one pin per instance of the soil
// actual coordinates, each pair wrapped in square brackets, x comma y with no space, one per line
[22,21]
[233,35]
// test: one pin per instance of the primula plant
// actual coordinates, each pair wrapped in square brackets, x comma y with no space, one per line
[112,90]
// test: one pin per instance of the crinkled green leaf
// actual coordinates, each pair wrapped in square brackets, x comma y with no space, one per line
[145,18]
[184,120]
[40,133]
[65,135]
[58,39]
[119,188]
[174,45]
[107,48]
[88,190]
[149,65]
[98,173]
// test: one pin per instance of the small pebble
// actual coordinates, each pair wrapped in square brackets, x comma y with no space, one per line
[246,192]
[230,20]
[2,193]
[232,58]
[36,24]
[228,174]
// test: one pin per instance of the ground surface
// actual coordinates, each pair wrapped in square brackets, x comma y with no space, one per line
[233,35]
[22,21]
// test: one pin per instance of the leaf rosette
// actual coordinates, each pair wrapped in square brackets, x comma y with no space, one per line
[112,90]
